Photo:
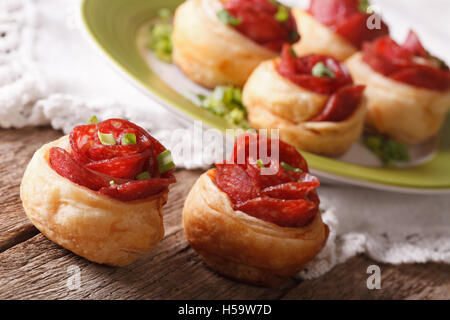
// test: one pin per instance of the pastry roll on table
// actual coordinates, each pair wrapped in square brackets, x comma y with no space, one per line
[407,89]
[256,219]
[312,101]
[221,42]
[100,192]
[336,28]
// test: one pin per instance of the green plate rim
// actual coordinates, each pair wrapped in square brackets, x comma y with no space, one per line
[390,177]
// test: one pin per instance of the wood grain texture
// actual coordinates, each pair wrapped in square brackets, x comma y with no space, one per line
[16,149]
[32,267]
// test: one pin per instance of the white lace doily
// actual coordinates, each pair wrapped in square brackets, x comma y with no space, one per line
[50,75]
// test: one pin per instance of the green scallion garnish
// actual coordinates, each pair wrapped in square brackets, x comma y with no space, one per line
[160,36]
[111,183]
[106,139]
[165,161]
[225,102]
[93,120]
[260,163]
[364,5]
[164,13]
[143,175]
[282,14]
[387,150]
[227,18]
[287,167]
[128,138]
[321,70]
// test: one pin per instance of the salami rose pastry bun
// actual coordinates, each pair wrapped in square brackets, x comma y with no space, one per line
[255,220]
[408,90]
[311,99]
[336,27]
[99,192]
[221,42]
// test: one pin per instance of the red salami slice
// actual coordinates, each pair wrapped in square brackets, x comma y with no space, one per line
[135,190]
[235,182]
[278,175]
[126,167]
[386,56]
[261,146]
[290,190]
[400,63]
[355,30]
[345,18]
[82,138]
[413,45]
[299,71]
[62,162]
[342,104]
[285,213]
[258,22]
[424,77]
[101,152]
[286,196]
[112,169]
[290,155]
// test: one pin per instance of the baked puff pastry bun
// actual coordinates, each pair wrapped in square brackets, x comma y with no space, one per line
[311,100]
[408,90]
[99,193]
[221,42]
[256,218]
[336,28]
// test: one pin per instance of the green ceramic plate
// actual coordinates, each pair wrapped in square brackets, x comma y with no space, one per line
[114,24]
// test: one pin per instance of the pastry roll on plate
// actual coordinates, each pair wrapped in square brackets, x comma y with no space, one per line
[100,191]
[221,42]
[336,28]
[408,90]
[256,218]
[311,99]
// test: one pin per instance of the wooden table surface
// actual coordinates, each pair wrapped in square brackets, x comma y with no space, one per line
[33,267]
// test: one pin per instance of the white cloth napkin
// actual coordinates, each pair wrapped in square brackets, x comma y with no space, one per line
[49,74]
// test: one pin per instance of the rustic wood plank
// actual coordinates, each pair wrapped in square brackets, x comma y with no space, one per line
[16,149]
[34,267]
[38,268]
[349,281]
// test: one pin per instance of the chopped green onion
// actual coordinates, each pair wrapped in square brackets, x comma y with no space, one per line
[128,138]
[226,102]
[387,150]
[260,163]
[321,70]
[106,138]
[160,36]
[364,6]
[227,18]
[164,13]
[111,183]
[165,161]
[237,96]
[235,116]
[282,14]
[93,120]
[219,93]
[289,168]
[143,175]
